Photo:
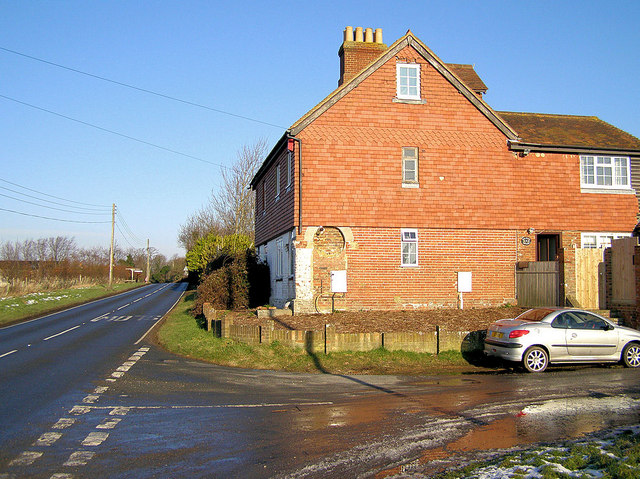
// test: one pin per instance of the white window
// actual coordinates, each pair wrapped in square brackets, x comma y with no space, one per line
[289,165]
[600,240]
[264,196]
[408,81]
[410,166]
[605,172]
[409,247]
[278,181]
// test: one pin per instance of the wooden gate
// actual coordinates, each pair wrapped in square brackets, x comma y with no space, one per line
[538,284]
[590,279]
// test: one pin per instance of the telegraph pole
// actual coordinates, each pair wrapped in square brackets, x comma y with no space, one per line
[113,223]
[148,259]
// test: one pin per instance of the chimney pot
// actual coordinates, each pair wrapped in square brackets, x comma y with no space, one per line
[378,37]
[368,37]
[359,34]
[348,34]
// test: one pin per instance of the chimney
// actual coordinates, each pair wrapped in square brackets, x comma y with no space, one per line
[356,53]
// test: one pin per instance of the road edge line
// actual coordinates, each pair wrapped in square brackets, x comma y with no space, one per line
[159,320]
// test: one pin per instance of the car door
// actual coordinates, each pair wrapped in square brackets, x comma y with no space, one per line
[588,336]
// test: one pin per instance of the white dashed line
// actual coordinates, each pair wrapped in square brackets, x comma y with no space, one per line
[79,458]
[139,299]
[95,439]
[122,307]
[61,475]
[64,423]
[119,411]
[109,423]
[26,458]
[77,410]
[47,439]
[63,332]
[7,354]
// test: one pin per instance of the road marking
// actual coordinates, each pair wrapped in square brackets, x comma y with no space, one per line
[64,423]
[119,411]
[109,423]
[117,374]
[47,439]
[77,410]
[154,324]
[63,332]
[90,399]
[123,306]
[61,475]
[139,299]
[95,320]
[101,389]
[79,458]
[95,438]
[26,458]
[7,354]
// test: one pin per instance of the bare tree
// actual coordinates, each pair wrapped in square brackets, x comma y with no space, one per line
[231,208]
[60,248]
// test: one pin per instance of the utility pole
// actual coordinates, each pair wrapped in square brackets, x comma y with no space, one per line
[148,259]
[113,224]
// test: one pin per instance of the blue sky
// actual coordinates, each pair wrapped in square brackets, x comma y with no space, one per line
[269,61]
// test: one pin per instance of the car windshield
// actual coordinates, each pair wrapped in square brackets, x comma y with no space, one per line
[535,314]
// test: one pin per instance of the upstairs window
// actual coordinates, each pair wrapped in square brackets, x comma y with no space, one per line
[264,197]
[409,247]
[605,172]
[408,81]
[289,165]
[277,181]
[409,167]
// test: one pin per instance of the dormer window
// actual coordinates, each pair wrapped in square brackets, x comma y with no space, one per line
[408,81]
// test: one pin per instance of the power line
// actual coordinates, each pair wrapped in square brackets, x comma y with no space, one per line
[52,202]
[52,196]
[126,227]
[144,142]
[144,90]
[54,219]
[51,207]
[124,237]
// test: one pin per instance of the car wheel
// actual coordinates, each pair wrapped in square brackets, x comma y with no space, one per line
[535,360]
[631,355]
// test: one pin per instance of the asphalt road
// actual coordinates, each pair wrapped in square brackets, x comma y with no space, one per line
[141,413]
[48,363]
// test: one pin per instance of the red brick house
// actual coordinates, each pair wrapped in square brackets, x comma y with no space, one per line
[404,177]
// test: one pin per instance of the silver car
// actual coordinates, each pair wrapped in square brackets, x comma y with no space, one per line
[542,336]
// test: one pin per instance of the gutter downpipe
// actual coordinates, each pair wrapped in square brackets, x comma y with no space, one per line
[291,137]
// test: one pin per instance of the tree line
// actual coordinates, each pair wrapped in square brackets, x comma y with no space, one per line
[60,261]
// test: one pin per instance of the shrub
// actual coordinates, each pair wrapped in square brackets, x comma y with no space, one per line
[235,281]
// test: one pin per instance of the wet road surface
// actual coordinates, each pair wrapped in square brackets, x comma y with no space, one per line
[167,416]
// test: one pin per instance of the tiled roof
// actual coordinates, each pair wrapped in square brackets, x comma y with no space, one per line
[569,130]
[468,75]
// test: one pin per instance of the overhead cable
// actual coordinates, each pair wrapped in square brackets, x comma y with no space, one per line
[52,196]
[55,202]
[144,90]
[54,219]
[52,207]
[144,142]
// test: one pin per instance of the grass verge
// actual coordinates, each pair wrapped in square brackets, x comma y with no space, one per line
[21,308]
[181,335]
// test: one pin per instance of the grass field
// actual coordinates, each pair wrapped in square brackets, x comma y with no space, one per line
[17,308]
